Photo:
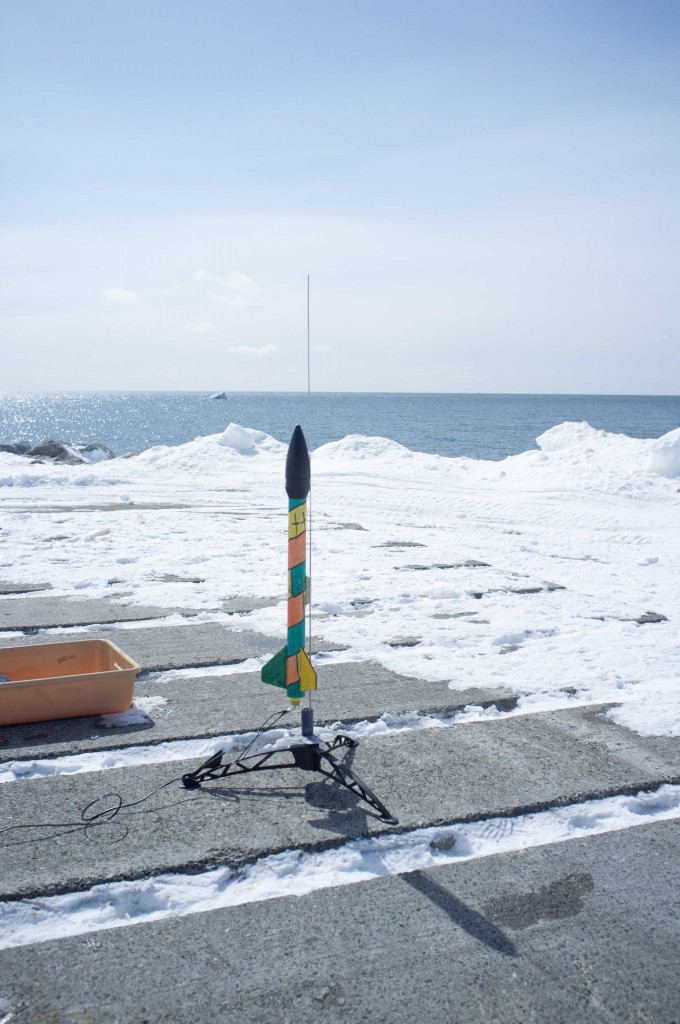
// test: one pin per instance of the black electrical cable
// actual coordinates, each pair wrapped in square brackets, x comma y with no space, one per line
[107,815]
[275,716]
[103,817]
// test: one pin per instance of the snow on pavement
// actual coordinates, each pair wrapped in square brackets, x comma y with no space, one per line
[297,872]
[532,573]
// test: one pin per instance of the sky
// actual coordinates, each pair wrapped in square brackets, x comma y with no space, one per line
[485,195]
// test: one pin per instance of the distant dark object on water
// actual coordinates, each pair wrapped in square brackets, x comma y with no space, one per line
[220,394]
[68,452]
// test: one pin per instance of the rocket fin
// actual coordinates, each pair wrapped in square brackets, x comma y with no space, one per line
[306,671]
[274,672]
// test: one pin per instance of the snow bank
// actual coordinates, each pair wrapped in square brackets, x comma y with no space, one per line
[612,463]
[626,454]
[357,447]
[205,454]
[570,435]
[242,439]
[665,455]
[92,455]
[570,455]
[578,446]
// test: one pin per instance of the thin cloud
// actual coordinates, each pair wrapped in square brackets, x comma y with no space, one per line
[252,350]
[200,327]
[323,348]
[236,289]
[120,297]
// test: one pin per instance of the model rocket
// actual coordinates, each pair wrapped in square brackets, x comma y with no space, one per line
[291,668]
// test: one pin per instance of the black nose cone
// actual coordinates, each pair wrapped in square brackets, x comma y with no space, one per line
[297,466]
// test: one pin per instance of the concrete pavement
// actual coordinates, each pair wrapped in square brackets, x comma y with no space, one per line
[585,930]
[481,769]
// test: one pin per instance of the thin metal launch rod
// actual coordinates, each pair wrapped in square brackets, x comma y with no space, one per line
[309,499]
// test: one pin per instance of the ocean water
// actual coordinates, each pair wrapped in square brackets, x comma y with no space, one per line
[486,426]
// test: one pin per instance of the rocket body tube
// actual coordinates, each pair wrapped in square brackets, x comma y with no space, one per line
[297,589]
[291,668]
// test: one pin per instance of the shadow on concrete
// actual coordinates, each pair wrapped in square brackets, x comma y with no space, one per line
[345,813]
[474,923]
[63,731]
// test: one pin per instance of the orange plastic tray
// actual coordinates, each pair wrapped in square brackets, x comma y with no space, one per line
[48,681]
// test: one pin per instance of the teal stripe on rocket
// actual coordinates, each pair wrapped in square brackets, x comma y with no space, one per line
[297,580]
[296,637]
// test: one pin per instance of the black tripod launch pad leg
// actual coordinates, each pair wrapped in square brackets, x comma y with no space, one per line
[309,756]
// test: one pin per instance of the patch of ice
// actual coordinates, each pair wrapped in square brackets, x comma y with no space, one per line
[137,714]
